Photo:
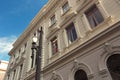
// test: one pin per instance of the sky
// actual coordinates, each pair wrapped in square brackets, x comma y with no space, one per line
[15,16]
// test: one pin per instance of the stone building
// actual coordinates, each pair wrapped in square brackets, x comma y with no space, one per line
[81,41]
[3,68]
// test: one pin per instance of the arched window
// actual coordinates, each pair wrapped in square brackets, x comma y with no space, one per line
[113,64]
[80,75]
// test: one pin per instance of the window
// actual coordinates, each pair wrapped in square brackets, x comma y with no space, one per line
[53,20]
[20,72]
[113,64]
[65,7]
[19,51]
[94,16]
[14,74]
[8,76]
[25,44]
[54,45]
[71,33]
[80,75]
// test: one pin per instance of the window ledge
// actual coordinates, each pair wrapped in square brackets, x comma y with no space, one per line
[83,4]
[101,27]
[54,57]
[54,24]
[73,43]
[31,71]
[67,17]
[106,21]
[71,46]
[52,29]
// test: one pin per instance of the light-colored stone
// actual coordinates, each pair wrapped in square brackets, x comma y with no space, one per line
[88,52]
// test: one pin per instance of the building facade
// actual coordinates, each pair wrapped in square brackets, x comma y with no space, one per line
[81,41]
[3,68]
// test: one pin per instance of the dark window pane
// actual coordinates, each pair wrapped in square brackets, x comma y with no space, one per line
[54,45]
[74,34]
[92,21]
[53,20]
[98,16]
[80,75]
[113,64]
[65,7]
[71,33]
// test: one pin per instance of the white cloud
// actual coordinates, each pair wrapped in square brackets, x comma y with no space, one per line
[6,43]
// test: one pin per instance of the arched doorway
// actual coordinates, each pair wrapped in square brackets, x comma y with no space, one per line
[80,75]
[113,64]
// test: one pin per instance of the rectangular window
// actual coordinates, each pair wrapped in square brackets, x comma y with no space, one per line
[25,44]
[54,45]
[20,73]
[71,33]
[14,74]
[8,76]
[94,16]
[65,7]
[53,20]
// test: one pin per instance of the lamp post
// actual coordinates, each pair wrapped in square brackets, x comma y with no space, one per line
[38,49]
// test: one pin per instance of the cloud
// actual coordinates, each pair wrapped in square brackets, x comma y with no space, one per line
[6,44]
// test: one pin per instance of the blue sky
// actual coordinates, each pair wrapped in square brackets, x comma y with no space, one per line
[15,16]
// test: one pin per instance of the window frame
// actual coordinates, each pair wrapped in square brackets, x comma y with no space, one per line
[54,49]
[94,16]
[65,7]
[52,19]
[71,36]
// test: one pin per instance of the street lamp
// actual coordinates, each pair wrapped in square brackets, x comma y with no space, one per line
[38,49]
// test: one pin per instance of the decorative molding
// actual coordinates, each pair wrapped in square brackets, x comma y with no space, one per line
[103,73]
[52,30]
[55,76]
[30,74]
[66,17]
[118,1]
[84,3]
[108,51]
[108,48]
[114,27]
[77,66]
[90,76]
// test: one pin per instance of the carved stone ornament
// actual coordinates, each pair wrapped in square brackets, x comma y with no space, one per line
[103,73]
[90,76]
[86,68]
[110,49]
[75,65]
[55,76]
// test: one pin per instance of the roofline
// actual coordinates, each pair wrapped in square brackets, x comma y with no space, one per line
[35,20]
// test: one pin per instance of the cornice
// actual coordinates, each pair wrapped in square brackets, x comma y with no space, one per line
[105,33]
[16,63]
[33,23]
